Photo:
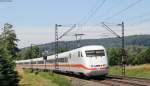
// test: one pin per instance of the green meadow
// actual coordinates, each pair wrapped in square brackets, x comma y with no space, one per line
[142,71]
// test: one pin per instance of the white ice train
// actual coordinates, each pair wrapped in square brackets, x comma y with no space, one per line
[88,60]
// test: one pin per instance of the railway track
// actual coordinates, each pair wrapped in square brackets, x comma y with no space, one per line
[124,81]
[131,78]
[115,80]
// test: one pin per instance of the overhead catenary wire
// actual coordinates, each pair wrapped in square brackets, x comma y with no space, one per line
[123,10]
[67,31]
[89,12]
[140,22]
[140,19]
[94,11]
[139,16]
[110,30]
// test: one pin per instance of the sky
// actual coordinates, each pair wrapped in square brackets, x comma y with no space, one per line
[34,20]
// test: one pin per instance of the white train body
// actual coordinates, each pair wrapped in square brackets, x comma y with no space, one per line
[88,60]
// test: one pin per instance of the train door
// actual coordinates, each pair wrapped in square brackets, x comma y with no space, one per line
[69,62]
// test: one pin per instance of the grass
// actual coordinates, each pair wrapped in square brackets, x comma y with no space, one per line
[42,79]
[142,71]
[60,80]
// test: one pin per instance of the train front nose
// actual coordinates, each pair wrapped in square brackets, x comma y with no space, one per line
[99,71]
[97,60]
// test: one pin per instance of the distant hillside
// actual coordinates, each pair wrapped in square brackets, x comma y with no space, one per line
[142,40]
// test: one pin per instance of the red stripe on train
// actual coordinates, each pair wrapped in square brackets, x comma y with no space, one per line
[65,65]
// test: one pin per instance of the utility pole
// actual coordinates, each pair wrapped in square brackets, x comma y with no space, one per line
[123,58]
[56,46]
[31,58]
[56,42]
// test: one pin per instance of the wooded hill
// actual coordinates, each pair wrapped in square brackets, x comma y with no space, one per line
[141,40]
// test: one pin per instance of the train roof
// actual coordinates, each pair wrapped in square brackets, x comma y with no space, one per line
[89,47]
[92,47]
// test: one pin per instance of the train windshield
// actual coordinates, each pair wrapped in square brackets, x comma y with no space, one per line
[94,53]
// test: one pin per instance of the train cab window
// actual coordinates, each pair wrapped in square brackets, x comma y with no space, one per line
[93,53]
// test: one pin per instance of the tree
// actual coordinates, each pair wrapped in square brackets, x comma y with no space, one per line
[114,56]
[144,56]
[8,77]
[8,52]
[147,55]
[35,52]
